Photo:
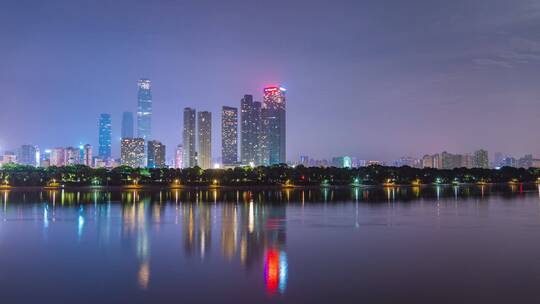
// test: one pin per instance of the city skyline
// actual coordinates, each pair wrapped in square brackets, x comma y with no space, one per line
[419,75]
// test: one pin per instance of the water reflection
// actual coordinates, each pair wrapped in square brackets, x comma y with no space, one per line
[244,228]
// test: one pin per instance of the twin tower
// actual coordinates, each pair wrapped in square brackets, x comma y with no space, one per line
[262,133]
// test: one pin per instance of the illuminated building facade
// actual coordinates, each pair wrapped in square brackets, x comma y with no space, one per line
[127,125]
[481,159]
[27,155]
[204,125]
[72,156]
[250,122]
[144,109]
[87,155]
[105,136]
[58,157]
[132,152]
[178,157]
[156,154]
[274,126]
[189,156]
[229,135]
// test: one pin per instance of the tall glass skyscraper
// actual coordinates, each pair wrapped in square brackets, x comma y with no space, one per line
[105,136]
[204,122]
[127,125]
[189,159]
[250,121]
[144,109]
[229,135]
[274,126]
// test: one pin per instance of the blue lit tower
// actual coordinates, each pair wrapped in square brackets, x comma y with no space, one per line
[144,109]
[105,136]
[127,125]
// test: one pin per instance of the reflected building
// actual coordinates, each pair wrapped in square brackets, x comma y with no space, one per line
[229,230]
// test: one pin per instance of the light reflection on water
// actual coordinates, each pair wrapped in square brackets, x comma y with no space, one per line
[245,229]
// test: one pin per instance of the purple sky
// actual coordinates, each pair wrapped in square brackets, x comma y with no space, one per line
[373,79]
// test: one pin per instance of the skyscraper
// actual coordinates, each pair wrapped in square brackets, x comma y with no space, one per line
[156,154]
[189,138]
[229,135]
[58,157]
[204,122]
[87,155]
[480,159]
[274,126]
[127,125]
[72,156]
[250,121]
[178,157]
[105,136]
[144,109]
[27,155]
[132,152]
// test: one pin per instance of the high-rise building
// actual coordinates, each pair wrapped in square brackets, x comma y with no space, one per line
[274,126]
[204,125]
[250,122]
[9,157]
[132,152]
[427,161]
[58,157]
[27,155]
[189,156]
[144,109]
[127,125]
[480,159]
[87,155]
[229,135]
[72,156]
[156,154]
[178,157]
[451,161]
[304,160]
[105,136]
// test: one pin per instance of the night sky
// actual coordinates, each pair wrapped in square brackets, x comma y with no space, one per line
[373,79]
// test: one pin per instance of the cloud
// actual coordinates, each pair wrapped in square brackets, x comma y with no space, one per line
[492,62]
[517,51]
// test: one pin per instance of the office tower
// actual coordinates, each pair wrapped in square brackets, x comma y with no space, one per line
[274,126]
[229,135]
[87,155]
[132,152]
[58,157]
[27,155]
[144,109]
[178,157]
[156,154]
[72,156]
[480,159]
[105,136]
[189,158]
[127,125]
[204,125]
[250,122]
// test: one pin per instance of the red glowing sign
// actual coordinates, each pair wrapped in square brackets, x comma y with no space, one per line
[270,89]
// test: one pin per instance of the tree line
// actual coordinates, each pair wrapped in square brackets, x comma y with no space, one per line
[80,175]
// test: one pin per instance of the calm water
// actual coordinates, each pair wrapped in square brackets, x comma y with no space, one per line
[469,244]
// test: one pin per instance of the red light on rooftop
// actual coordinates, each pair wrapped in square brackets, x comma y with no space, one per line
[271,89]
